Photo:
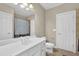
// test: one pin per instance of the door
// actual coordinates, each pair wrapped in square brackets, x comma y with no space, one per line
[6,25]
[66,31]
[59,32]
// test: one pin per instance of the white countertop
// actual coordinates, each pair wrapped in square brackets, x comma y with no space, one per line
[18,47]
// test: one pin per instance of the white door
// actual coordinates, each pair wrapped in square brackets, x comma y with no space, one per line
[66,31]
[6,25]
[59,32]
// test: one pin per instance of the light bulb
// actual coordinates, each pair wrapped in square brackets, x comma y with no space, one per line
[30,6]
[22,6]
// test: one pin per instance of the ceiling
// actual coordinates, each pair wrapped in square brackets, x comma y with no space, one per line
[47,6]
[20,11]
[26,13]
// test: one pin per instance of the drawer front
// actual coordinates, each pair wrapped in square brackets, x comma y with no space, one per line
[43,46]
[37,50]
[32,51]
[37,53]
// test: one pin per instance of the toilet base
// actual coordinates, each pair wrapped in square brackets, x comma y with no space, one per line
[49,47]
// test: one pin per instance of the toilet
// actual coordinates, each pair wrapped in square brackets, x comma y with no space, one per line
[49,47]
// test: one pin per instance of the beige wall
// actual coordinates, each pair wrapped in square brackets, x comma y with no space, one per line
[39,20]
[7,9]
[51,18]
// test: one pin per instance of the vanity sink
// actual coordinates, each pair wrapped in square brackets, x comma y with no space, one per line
[20,46]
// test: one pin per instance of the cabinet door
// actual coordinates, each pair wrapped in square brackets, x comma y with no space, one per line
[6,25]
[36,50]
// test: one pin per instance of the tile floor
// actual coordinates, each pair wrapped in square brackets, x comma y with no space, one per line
[61,52]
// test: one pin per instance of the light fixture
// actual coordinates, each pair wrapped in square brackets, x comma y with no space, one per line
[22,6]
[30,6]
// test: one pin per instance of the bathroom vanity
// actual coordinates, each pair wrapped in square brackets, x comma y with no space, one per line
[24,47]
